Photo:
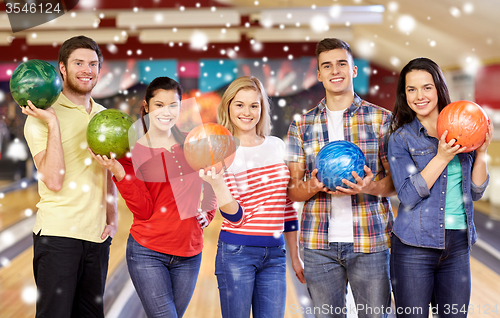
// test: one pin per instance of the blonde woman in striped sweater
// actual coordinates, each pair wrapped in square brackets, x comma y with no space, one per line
[258,216]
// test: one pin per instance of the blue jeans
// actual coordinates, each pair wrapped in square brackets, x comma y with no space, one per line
[251,277]
[164,283]
[327,273]
[421,276]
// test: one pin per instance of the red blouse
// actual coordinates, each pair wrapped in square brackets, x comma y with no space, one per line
[164,194]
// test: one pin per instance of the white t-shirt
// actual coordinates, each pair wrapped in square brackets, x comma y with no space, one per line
[340,227]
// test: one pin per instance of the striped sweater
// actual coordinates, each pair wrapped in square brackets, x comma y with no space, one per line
[258,179]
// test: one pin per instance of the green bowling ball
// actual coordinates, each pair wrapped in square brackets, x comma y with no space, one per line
[108,131]
[37,81]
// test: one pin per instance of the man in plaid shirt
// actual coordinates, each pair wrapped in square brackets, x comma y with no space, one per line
[345,231]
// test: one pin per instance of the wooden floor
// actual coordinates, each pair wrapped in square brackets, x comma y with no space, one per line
[17,285]
[16,279]
[14,205]
[205,301]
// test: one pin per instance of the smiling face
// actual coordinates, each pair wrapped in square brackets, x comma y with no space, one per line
[80,74]
[163,109]
[336,71]
[421,93]
[245,110]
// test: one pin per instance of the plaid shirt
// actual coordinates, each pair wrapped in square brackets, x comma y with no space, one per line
[367,126]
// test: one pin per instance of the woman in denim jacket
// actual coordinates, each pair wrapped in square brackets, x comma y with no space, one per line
[436,183]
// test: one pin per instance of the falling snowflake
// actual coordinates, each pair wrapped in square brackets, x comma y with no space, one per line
[468,8]
[465,199]
[267,22]
[411,169]
[257,47]
[16,151]
[29,295]
[454,11]
[374,89]
[243,186]
[88,4]
[471,64]
[305,301]
[297,205]
[489,225]
[335,11]
[406,23]
[7,238]
[319,23]
[4,261]
[28,212]
[198,40]
[393,6]
[395,61]
[365,48]
[231,53]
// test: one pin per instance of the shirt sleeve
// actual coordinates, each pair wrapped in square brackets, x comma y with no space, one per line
[236,220]
[209,201]
[384,136]
[409,183]
[134,192]
[477,191]
[36,133]
[291,217]
[233,218]
[295,146]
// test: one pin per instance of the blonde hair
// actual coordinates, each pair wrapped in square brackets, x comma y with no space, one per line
[263,127]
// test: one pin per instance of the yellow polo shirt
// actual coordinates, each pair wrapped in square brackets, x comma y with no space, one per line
[78,210]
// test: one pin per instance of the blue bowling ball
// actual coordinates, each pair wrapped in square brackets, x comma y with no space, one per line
[336,161]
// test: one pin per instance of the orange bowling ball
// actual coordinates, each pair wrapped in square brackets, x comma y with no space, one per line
[209,145]
[466,122]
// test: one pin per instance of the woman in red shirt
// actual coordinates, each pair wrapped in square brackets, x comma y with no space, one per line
[164,194]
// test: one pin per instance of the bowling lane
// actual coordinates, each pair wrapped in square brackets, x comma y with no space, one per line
[205,300]
[17,205]
[485,297]
[17,286]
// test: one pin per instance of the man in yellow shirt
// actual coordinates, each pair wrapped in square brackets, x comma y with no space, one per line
[77,214]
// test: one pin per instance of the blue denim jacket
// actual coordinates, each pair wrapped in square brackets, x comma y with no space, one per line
[420,219]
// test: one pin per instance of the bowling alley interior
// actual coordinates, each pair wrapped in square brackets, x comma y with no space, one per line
[205,45]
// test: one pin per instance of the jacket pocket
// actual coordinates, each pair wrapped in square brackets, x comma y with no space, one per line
[422,156]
